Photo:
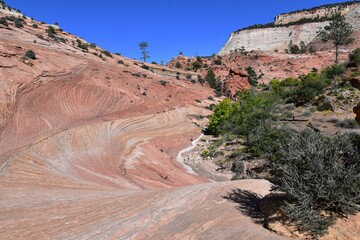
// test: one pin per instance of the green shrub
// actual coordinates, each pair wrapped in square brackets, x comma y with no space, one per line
[30,54]
[178,65]
[211,78]
[249,112]
[196,65]
[51,30]
[107,53]
[320,177]
[3,21]
[354,57]
[163,82]
[347,123]
[81,45]
[35,25]
[312,85]
[252,77]
[332,71]
[221,114]
[290,82]
[19,23]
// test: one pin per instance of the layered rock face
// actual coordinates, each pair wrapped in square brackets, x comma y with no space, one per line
[318,12]
[279,37]
[270,39]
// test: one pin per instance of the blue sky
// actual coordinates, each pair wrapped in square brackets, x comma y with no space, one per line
[195,27]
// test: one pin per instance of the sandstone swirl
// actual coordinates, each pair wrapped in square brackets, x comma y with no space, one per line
[88,150]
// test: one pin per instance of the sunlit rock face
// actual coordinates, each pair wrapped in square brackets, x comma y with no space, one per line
[278,38]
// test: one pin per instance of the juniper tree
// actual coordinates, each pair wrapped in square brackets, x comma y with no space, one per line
[339,32]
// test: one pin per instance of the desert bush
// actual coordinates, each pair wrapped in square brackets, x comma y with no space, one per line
[332,71]
[30,54]
[249,112]
[107,53]
[312,85]
[35,25]
[3,21]
[252,77]
[320,177]
[266,141]
[121,62]
[221,113]
[211,78]
[81,45]
[178,65]
[51,30]
[196,65]
[19,23]
[354,57]
[163,82]
[347,123]
[290,82]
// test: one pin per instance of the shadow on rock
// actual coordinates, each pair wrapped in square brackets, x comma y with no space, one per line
[248,204]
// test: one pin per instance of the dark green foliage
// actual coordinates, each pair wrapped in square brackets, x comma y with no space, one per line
[145,67]
[211,78]
[266,141]
[293,48]
[30,54]
[302,47]
[11,18]
[339,32]
[332,71]
[197,65]
[320,176]
[51,30]
[177,77]
[311,85]
[354,57]
[35,25]
[252,77]
[178,65]
[3,21]
[19,23]
[107,53]
[163,82]
[188,77]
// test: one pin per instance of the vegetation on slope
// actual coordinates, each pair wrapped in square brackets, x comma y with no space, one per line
[319,174]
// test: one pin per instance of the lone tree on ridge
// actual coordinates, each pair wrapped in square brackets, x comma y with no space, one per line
[143,47]
[339,31]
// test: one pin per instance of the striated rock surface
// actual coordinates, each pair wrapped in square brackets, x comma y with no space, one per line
[89,148]
[277,38]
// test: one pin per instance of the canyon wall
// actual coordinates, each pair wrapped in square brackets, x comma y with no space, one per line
[325,11]
[270,39]
[279,37]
